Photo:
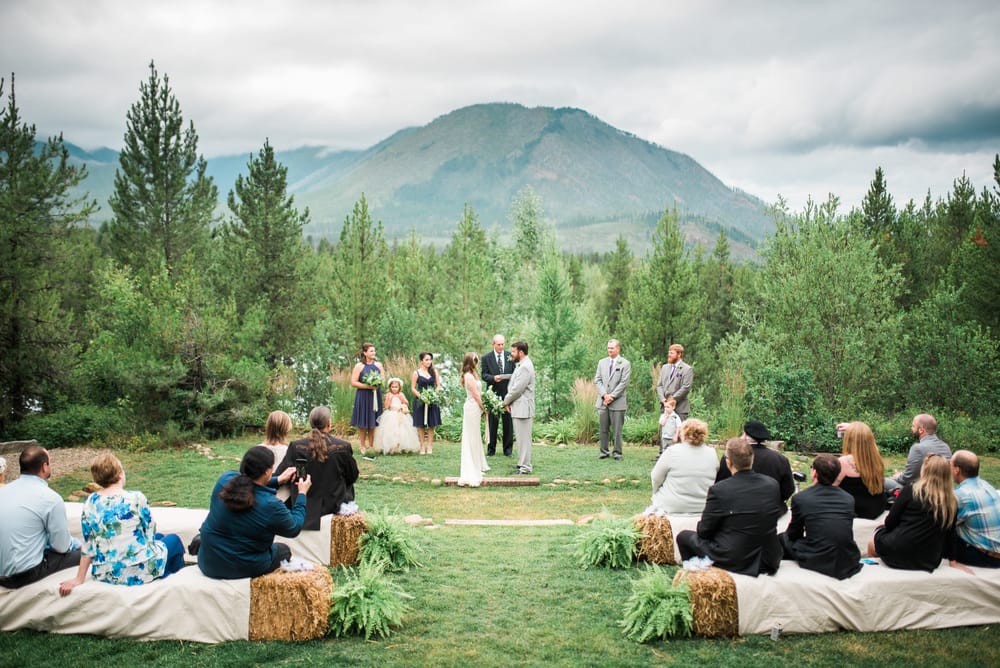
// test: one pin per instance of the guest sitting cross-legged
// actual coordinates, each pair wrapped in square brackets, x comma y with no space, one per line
[820,535]
[237,537]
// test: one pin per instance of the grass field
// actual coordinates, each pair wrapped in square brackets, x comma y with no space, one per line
[491,596]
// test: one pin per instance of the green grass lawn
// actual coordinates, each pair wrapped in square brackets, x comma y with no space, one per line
[491,596]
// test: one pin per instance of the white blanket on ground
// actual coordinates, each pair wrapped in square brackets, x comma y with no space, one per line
[185,606]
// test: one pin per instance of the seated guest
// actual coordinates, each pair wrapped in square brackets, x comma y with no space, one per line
[237,537]
[765,460]
[862,471]
[916,529]
[924,427]
[276,431]
[737,527]
[977,527]
[329,462]
[684,472]
[120,543]
[34,536]
[820,535]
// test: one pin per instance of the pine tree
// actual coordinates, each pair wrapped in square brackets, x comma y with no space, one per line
[37,213]
[265,240]
[617,270]
[558,328]
[474,301]
[163,200]
[878,210]
[359,281]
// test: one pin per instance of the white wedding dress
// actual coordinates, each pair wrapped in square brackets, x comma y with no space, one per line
[473,463]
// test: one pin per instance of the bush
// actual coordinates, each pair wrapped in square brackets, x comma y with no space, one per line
[366,602]
[787,401]
[584,410]
[656,609]
[72,425]
[643,429]
[613,543]
[389,542]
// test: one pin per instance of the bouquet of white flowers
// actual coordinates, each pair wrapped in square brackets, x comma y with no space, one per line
[492,402]
[374,379]
[431,396]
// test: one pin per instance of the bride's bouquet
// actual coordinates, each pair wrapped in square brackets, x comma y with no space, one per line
[375,380]
[492,402]
[431,396]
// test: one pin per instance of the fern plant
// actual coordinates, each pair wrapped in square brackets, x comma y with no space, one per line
[389,541]
[366,602]
[613,543]
[656,608]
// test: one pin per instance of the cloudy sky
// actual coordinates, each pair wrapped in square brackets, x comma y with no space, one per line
[774,97]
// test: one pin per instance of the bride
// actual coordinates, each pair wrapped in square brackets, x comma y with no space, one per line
[473,459]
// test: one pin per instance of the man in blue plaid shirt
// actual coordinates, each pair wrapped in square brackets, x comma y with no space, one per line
[977,529]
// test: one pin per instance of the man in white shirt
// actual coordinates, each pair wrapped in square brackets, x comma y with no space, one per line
[34,537]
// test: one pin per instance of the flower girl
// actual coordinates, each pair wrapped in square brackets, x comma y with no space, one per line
[396,432]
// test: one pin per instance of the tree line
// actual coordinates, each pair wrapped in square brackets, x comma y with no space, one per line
[174,317]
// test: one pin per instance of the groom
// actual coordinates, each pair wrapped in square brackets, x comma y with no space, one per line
[498,365]
[613,373]
[520,403]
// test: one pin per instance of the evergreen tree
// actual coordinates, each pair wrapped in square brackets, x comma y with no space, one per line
[557,347]
[617,270]
[163,200]
[717,282]
[474,300]
[264,242]
[531,237]
[878,210]
[359,283]
[37,213]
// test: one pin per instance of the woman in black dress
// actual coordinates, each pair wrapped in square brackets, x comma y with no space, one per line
[862,471]
[425,417]
[916,529]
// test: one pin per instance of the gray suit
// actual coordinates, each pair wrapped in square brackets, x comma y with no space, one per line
[675,381]
[612,378]
[521,399]
[930,444]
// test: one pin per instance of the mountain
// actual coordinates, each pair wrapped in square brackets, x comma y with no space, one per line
[595,181]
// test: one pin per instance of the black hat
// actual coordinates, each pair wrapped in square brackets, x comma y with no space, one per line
[757,431]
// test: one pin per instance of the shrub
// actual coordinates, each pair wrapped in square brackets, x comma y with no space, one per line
[787,401]
[642,429]
[656,608]
[613,543]
[366,602]
[72,425]
[584,412]
[388,541]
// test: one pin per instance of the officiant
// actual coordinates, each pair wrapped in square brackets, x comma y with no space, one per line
[497,368]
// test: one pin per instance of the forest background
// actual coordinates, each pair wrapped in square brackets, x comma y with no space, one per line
[173,322]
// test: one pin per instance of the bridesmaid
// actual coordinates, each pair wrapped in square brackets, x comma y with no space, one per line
[425,376]
[367,399]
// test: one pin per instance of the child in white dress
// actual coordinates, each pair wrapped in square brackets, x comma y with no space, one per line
[395,432]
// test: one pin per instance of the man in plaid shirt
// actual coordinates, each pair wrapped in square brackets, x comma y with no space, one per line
[977,529]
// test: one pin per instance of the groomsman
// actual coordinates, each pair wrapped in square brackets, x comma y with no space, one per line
[613,373]
[497,368]
[675,381]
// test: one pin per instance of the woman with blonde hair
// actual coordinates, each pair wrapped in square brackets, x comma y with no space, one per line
[473,462]
[915,531]
[862,470]
[684,472]
[120,542]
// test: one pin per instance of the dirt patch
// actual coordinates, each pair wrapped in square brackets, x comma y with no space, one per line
[64,461]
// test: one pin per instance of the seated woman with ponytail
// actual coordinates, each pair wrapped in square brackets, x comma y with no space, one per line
[330,464]
[237,537]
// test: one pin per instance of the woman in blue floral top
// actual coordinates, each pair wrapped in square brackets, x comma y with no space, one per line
[120,543]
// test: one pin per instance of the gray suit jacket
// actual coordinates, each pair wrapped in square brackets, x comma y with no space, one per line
[614,382]
[521,390]
[676,383]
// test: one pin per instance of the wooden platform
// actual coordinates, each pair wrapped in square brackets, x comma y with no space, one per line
[512,481]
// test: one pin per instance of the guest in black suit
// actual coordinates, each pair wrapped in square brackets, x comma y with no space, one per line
[821,534]
[497,368]
[737,530]
[765,460]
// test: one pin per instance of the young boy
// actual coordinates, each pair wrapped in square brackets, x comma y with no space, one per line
[670,423]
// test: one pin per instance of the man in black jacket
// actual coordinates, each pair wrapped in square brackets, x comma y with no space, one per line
[765,460]
[737,530]
[497,369]
[820,535]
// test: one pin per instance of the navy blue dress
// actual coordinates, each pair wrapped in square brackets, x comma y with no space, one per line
[367,408]
[433,412]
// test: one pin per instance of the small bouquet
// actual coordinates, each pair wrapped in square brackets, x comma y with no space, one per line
[492,402]
[431,396]
[374,379]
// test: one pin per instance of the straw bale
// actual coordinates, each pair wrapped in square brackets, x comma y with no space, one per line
[345,531]
[714,605]
[657,543]
[291,605]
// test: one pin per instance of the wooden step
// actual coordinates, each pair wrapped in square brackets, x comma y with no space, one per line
[511,481]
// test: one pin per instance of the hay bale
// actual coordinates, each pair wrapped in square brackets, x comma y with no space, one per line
[657,543]
[291,605]
[345,531]
[714,605]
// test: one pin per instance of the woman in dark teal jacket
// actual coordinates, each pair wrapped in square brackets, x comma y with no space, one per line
[237,537]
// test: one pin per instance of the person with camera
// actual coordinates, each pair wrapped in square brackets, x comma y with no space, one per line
[329,462]
[237,538]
